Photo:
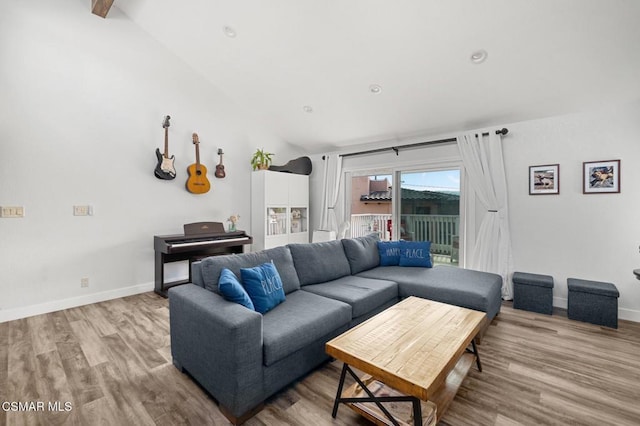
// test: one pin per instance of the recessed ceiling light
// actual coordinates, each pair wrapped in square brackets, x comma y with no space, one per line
[228,31]
[375,89]
[479,56]
[307,108]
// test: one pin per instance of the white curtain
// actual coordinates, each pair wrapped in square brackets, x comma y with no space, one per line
[332,215]
[484,165]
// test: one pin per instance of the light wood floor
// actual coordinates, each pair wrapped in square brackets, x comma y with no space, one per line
[112,362]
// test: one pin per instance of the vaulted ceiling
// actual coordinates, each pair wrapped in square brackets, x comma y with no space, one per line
[309,69]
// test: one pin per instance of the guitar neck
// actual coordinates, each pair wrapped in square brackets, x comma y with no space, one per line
[166,142]
[198,155]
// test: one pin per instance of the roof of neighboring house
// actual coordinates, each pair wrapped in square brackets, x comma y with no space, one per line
[411,194]
[377,196]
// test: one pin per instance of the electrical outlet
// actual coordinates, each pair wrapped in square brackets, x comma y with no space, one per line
[12,211]
[84,282]
[85,210]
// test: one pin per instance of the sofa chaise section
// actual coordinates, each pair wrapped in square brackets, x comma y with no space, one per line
[447,284]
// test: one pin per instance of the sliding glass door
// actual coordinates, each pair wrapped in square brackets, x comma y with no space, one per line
[429,210]
[425,206]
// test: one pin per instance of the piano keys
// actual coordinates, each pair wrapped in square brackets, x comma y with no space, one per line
[199,241]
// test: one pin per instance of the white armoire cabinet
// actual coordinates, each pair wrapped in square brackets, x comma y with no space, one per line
[279,209]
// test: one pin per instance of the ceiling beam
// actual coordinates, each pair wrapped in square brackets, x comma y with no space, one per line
[101,7]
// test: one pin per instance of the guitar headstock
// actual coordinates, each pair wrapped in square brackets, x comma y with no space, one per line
[165,123]
[220,152]
[195,139]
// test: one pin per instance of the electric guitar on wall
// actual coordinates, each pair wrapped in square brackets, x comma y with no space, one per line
[197,183]
[220,168]
[165,169]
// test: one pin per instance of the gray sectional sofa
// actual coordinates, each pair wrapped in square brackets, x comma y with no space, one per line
[242,357]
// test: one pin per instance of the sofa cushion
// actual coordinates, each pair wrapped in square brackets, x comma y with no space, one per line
[362,252]
[264,286]
[363,294]
[231,289]
[302,319]
[471,289]
[399,274]
[415,253]
[389,253]
[281,257]
[319,262]
[212,266]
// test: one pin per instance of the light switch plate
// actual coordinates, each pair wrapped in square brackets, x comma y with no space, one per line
[85,210]
[12,211]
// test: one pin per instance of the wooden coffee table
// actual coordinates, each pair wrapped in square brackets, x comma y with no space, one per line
[419,348]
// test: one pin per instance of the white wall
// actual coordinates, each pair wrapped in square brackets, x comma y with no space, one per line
[594,237]
[82,101]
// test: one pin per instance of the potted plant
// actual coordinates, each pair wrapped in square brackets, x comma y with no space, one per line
[261,159]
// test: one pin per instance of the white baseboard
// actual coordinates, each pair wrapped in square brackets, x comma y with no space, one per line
[629,314]
[559,302]
[623,313]
[58,305]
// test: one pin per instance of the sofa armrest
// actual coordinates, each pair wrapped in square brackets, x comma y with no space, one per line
[219,343]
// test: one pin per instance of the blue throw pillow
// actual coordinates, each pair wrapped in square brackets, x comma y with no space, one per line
[231,289]
[415,253]
[389,253]
[264,286]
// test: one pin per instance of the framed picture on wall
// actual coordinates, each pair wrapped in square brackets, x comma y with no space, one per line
[601,177]
[544,180]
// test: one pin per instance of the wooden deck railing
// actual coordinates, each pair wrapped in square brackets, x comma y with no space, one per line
[441,230]
[365,224]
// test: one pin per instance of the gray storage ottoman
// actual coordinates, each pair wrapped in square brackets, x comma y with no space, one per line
[593,301]
[533,292]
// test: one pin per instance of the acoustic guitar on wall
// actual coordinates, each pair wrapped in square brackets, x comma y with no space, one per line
[220,168]
[197,183]
[165,169]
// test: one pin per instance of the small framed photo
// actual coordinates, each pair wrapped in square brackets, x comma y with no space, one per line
[544,180]
[601,177]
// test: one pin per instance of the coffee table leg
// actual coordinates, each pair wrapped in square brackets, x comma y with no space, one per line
[417,412]
[475,351]
[339,393]
[378,400]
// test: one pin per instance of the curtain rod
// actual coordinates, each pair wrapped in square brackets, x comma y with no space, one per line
[395,149]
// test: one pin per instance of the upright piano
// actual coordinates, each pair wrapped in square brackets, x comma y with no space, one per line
[199,240]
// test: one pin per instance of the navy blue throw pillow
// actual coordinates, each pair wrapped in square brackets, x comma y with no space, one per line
[415,253]
[264,286]
[231,289]
[389,253]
